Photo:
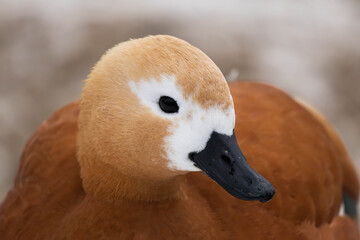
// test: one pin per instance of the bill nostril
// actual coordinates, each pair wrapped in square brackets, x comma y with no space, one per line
[226,159]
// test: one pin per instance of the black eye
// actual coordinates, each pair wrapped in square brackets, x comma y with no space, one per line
[168,105]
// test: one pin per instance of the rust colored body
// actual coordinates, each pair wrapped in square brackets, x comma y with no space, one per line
[282,140]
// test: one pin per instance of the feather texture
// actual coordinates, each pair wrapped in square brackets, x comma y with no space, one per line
[281,140]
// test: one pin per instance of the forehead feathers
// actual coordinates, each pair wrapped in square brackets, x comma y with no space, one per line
[155,56]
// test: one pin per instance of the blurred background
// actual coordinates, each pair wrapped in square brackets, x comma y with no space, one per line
[309,48]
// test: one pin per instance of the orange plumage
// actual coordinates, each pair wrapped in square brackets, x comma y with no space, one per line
[289,145]
[276,134]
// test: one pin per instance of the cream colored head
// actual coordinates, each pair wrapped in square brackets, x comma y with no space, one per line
[121,122]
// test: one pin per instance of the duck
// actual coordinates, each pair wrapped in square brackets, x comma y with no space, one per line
[160,146]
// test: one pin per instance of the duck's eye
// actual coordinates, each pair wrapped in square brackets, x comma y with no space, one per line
[168,104]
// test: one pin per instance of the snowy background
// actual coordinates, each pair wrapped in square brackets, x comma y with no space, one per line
[309,48]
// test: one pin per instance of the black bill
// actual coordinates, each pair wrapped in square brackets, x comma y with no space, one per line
[223,161]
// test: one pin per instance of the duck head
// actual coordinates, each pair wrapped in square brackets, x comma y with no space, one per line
[153,109]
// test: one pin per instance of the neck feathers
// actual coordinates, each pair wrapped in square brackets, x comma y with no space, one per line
[105,182]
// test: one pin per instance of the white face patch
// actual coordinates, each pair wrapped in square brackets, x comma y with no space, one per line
[191,126]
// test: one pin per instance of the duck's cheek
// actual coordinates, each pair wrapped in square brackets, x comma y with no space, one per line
[191,134]
[183,140]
